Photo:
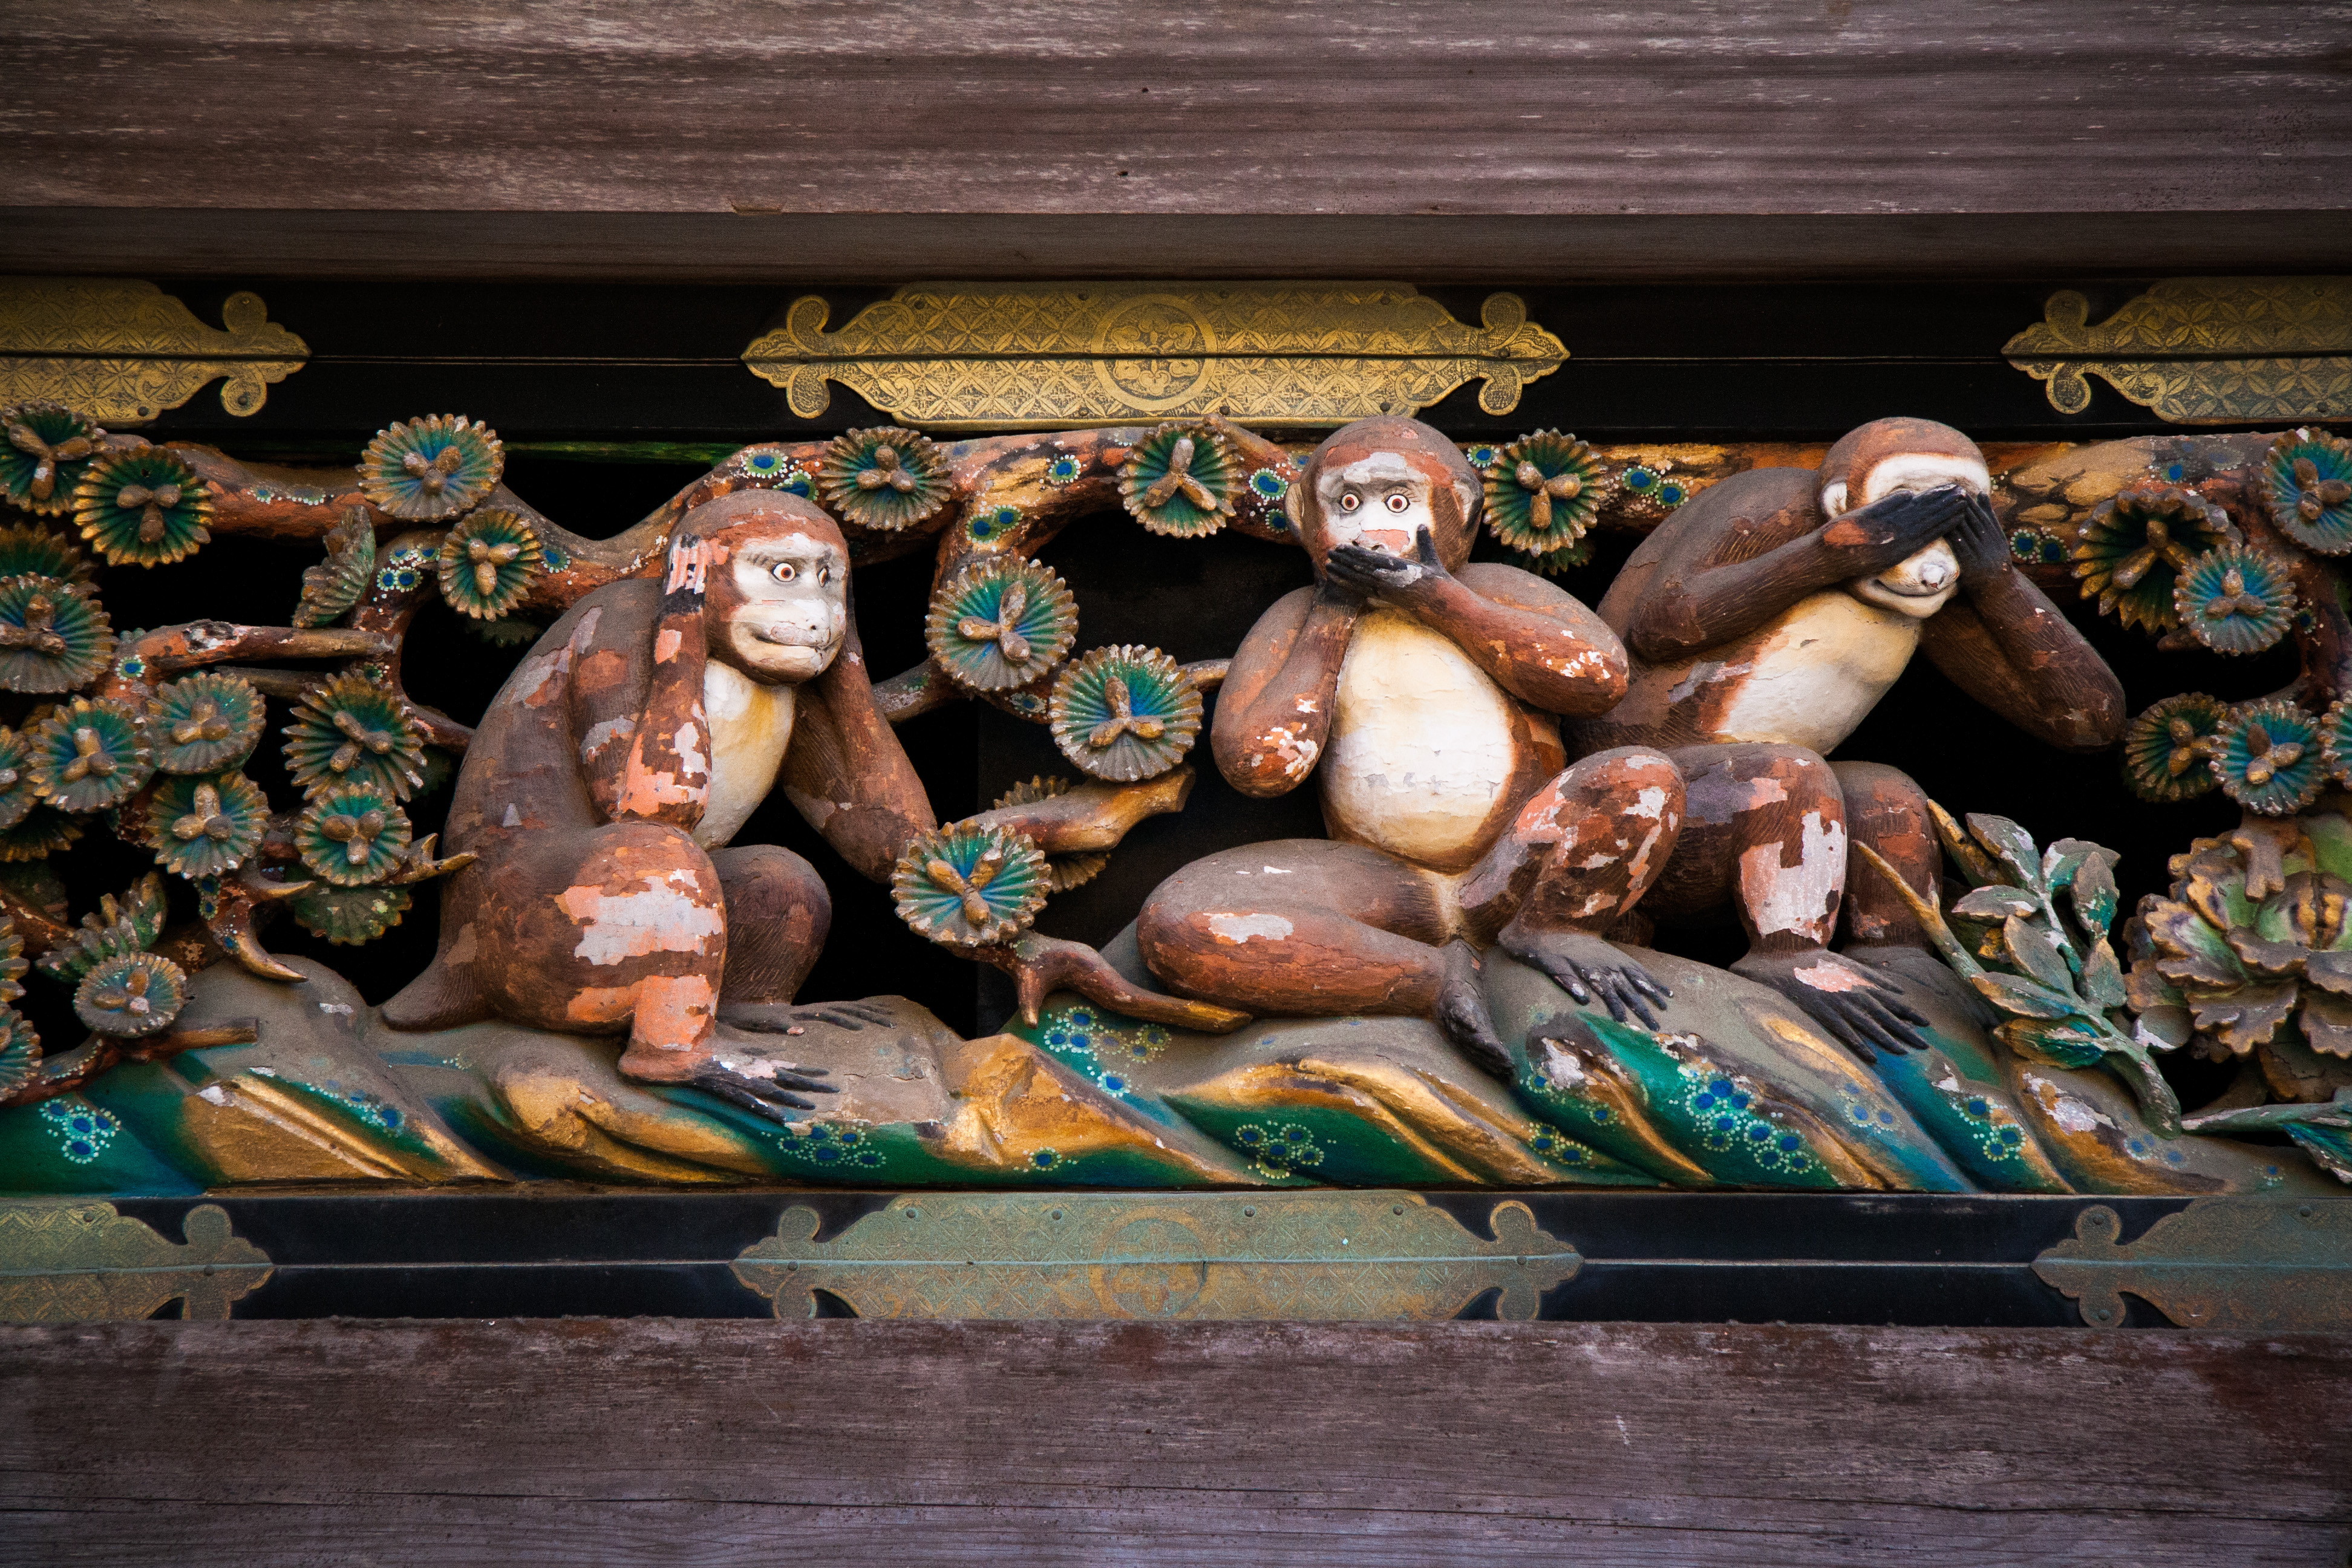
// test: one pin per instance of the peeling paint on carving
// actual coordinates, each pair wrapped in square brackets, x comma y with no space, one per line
[1802,897]
[618,927]
[1238,928]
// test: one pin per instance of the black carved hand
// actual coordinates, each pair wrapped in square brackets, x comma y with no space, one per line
[762,1086]
[1889,532]
[1363,569]
[1980,545]
[1590,970]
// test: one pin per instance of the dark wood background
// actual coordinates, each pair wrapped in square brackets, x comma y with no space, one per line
[507,1444]
[1422,138]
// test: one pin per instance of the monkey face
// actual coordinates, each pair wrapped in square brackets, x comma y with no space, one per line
[1917,587]
[1378,483]
[1889,457]
[779,601]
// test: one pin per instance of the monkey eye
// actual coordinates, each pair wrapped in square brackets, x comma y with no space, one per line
[1350,501]
[783,572]
[824,576]
[1400,501]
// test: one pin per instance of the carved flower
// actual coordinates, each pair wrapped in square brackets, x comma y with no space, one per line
[205,827]
[1181,481]
[330,588]
[2335,739]
[2234,600]
[131,994]
[31,552]
[43,831]
[354,731]
[13,964]
[203,724]
[2135,546]
[2167,749]
[487,563]
[89,756]
[1543,492]
[352,834]
[1063,872]
[20,1051]
[142,508]
[52,636]
[2307,481]
[2267,757]
[350,916]
[436,466]
[1648,491]
[1000,623]
[883,479]
[2212,962]
[966,886]
[18,794]
[48,446]
[1125,713]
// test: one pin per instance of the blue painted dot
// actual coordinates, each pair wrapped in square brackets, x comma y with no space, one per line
[1726,1123]
[1249,1135]
[1671,493]
[2013,1136]
[1978,1108]
[1721,1085]
[1113,1082]
[1791,1143]
[1640,479]
[1757,1133]
[1044,1158]
[1886,1119]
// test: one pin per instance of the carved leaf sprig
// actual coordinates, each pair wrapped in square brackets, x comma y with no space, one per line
[2049,968]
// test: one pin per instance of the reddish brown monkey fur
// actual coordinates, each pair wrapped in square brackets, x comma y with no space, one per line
[1420,691]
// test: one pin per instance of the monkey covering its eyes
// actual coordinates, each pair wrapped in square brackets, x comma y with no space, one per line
[1766,618]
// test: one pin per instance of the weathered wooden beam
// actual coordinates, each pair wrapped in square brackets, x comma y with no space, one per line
[655,1441]
[1114,136]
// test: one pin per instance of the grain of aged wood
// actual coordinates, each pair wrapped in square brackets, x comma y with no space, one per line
[654,1441]
[1393,109]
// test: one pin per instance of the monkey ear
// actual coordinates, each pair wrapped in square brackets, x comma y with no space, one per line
[1294,507]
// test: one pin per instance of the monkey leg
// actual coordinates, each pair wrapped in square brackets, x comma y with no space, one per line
[1888,812]
[1885,810]
[624,928]
[1311,927]
[1303,927]
[1765,826]
[1578,855]
[778,912]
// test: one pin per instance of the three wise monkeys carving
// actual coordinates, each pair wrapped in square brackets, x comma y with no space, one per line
[1497,764]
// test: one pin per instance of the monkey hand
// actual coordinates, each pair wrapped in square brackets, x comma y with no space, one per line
[1888,531]
[688,577]
[1370,571]
[1979,541]
[1862,1008]
[1590,970]
[735,1066]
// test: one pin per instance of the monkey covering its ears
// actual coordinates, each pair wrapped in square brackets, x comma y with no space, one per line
[628,748]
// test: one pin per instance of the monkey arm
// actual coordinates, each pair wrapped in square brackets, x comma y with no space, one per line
[1759,548]
[664,769]
[1536,641]
[2006,645]
[845,772]
[1273,715]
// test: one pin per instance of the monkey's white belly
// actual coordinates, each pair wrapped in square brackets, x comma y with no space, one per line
[750,725]
[1421,742]
[1816,673]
